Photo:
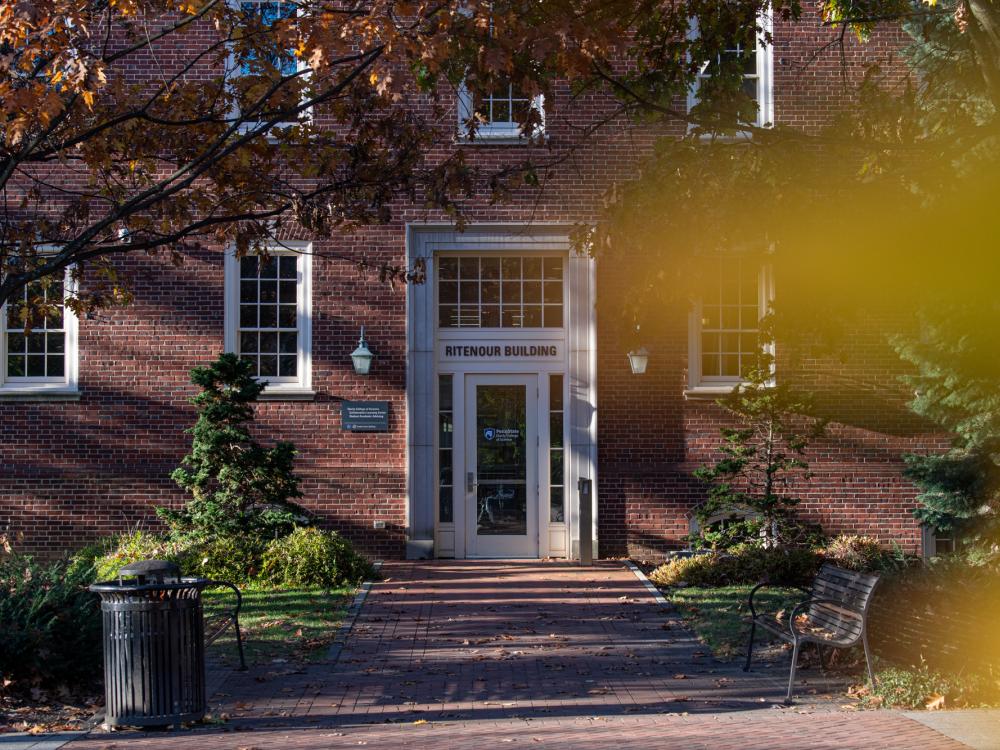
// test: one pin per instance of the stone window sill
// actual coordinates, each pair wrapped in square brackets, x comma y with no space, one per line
[287,394]
[21,393]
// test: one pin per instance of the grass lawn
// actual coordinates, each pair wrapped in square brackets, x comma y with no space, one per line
[294,625]
[718,615]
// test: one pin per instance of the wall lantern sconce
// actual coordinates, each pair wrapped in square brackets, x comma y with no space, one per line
[638,359]
[362,356]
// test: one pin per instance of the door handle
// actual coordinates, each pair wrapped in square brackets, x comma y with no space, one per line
[470,481]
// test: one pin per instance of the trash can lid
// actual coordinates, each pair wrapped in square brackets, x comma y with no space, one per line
[149,567]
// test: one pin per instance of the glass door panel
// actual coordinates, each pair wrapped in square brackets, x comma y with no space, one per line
[501,486]
[501,460]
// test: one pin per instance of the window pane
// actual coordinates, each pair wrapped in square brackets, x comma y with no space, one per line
[556,465]
[269,268]
[445,505]
[448,316]
[490,316]
[288,366]
[16,343]
[289,268]
[556,392]
[553,316]
[448,292]
[468,268]
[248,342]
[710,364]
[532,268]
[731,365]
[268,316]
[288,342]
[512,292]
[557,513]
[36,342]
[248,291]
[248,316]
[15,366]
[553,268]
[445,440]
[511,268]
[490,268]
[268,291]
[55,365]
[532,316]
[287,316]
[268,365]
[469,291]
[532,291]
[36,366]
[556,429]
[448,268]
[490,292]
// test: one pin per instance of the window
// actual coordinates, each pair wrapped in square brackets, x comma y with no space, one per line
[758,74]
[43,359]
[247,67]
[725,328]
[500,292]
[446,431]
[499,114]
[557,474]
[937,543]
[268,318]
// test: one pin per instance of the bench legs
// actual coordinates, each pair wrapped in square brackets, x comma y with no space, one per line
[753,631]
[868,658]
[239,642]
[791,673]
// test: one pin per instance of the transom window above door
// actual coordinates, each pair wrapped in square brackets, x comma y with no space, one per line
[507,291]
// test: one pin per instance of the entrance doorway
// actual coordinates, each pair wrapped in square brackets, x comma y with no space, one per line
[501,448]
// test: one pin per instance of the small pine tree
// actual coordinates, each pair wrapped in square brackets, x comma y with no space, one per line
[238,486]
[763,454]
[955,385]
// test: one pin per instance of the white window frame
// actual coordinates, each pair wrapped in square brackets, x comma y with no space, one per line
[764,72]
[497,132]
[714,386]
[233,70]
[67,386]
[299,388]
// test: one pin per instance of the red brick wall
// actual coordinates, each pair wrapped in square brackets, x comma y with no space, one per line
[72,471]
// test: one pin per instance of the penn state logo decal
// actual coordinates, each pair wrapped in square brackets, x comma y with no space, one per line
[489,433]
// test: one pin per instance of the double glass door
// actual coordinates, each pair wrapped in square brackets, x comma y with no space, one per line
[501,465]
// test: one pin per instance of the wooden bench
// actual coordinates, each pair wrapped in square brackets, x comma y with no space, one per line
[834,615]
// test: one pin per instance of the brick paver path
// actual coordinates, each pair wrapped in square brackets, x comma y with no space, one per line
[542,654]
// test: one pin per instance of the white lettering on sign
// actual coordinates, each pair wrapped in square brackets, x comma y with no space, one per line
[506,350]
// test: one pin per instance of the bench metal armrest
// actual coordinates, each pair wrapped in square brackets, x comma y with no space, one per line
[232,616]
[820,600]
[758,587]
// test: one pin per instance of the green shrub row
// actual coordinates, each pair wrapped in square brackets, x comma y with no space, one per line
[922,687]
[741,565]
[308,556]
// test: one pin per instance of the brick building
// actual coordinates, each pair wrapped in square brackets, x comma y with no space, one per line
[505,376]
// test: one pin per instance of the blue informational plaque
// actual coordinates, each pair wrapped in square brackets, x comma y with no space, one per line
[364,416]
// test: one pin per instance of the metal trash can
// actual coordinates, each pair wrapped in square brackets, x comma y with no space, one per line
[154,646]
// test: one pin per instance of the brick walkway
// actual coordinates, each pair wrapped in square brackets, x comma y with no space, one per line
[475,654]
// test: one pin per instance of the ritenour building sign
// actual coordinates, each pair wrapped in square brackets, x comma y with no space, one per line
[545,351]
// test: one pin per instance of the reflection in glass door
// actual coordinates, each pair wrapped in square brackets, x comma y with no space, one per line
[502,446]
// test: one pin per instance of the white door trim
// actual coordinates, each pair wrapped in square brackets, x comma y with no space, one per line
[423,241]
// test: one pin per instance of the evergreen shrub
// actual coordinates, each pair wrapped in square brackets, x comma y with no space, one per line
[50,623]
[313,557]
